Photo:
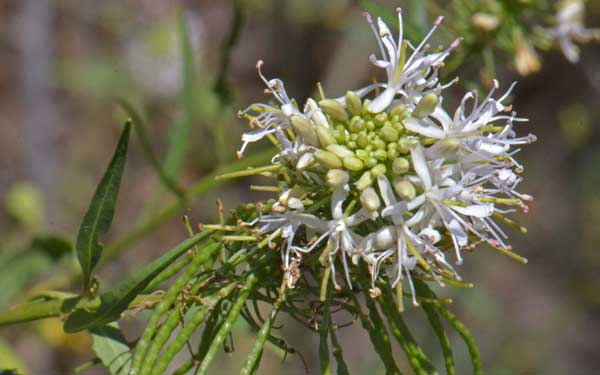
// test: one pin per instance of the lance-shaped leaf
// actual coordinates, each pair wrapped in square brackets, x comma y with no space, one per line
[115,301]
[112,349]
[99,214]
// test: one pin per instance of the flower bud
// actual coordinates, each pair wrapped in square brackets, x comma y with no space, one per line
[340,151]
[400,166]
[305,129]
[404,189]
[389,134]
[328,159]
[384,238]
[353,163]
[370,200]
[485,21]
[320,119]
[399,110]
[353,103]
[325,136]
[362,140]
[380,155]
[364,181]
[426,105]
[334,109]
[295,203]
[337,177]
[356,124]
[378,170]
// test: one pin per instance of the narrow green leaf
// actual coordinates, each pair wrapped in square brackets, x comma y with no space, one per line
[138,123]
[115,301]
[111,348]
[99,214]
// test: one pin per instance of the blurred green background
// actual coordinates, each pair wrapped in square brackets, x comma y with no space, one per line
[65,63]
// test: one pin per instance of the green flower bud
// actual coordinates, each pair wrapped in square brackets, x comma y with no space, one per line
[371,162]
[353,103]
[380,155]
[404,144]
[337,177]
[389,134]
[398,126]
[392,153]
[449,144]
[362,140]
[399,110]
[400,166]
[365,107]
[325,136]
[380,118]
[365,180]
[404,189]
[328,159]
[362,154]
[370,125]
[341,151]
[320,119]
[351,145]
[356,124]
[334,109]
[353,163]
[379,144]
[426,105]
[305,129]
[378,170]
[340,134]
[370,200]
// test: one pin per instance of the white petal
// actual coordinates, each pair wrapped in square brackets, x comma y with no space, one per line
[384,99]
[420,164]
[385,188]
[477,210]
[427,129]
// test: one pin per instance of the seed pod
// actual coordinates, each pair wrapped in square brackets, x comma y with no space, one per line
[334,109]
[305,129]
[337,177]
[426,105]
[404,188]
[353,163]
[327,159]
[325,136]
[370,200]
[353,103]
[400,166]
[341,151]
[364,181]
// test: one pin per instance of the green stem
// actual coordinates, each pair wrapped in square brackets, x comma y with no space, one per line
[324,332]
[342,368]
[30,311]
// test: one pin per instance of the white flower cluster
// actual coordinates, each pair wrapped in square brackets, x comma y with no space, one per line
[404,180]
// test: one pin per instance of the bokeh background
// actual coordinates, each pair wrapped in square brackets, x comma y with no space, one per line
[64,63]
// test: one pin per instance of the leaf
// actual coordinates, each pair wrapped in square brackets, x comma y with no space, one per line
[138,124]
[99,214]
[110,346]
[115,301]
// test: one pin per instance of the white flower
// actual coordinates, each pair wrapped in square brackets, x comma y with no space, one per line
[407,76]
[569,27]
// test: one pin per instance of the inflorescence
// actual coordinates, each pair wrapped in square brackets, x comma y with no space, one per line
[385,175]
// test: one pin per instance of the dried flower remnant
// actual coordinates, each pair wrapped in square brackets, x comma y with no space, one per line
[570,28]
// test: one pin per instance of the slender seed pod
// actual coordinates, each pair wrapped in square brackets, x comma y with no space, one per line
[253,358]
[197,318]
[219,338]
[167,328]
[165,304]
